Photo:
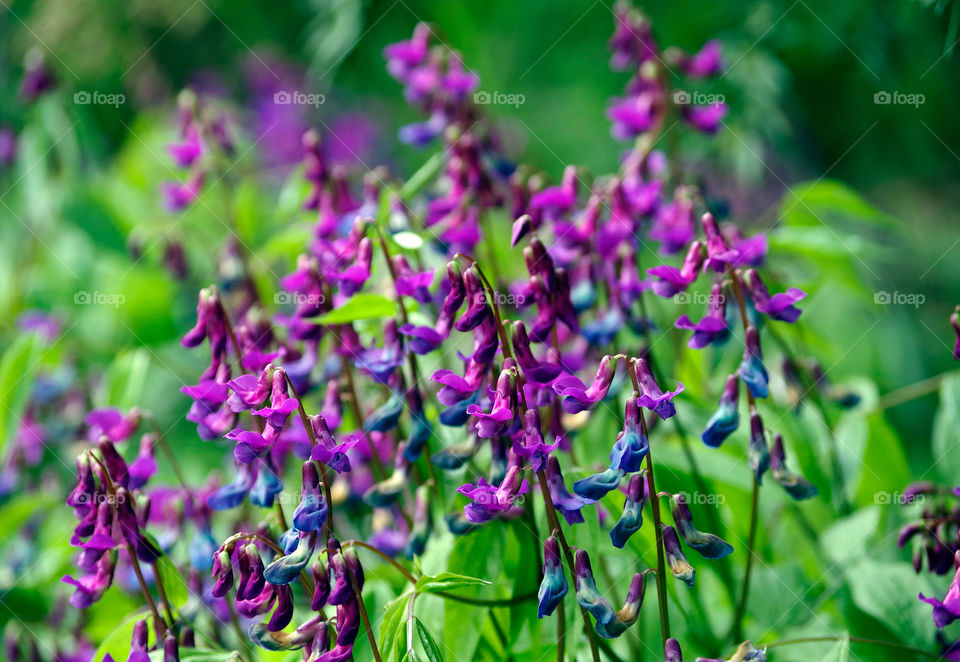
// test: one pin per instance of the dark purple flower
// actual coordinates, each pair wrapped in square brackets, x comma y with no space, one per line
[568,505]
[752,371]
[577,396]
[144,466]
[704,63]
[727,417]
[531,445]
[676,560]
[712,328]
[719,254]
[671,280]
[947,611]
[651,396]
[112,423]
[381,362]
[281,404]
[757,451]
[488,501]
[709,545]
[179,195]
[671,651]
[638,492]
[796,486]
[632,115]
[779,306]
[542,372]
[327,450]
[189,150]
[705,118]
[553,586]
[674,226]
[90,588]
[8,147]
[955,323]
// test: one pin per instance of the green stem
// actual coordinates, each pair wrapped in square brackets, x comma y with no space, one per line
[737,629]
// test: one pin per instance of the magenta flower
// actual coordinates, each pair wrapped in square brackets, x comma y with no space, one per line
[712,328]
[719,254]
[671,280]
[189,150]
[327,450]
[576,396]
[488,501]
[281,404]
[947,611]
[705,118]
[531,445]
[779,306]
[112,423]
[651,396]
[704,63]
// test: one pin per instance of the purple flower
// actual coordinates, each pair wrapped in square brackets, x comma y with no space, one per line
[8,147]
[651,396]
[90,588]
[380,363]
[281,404]
[671,651]
[555,201]
[247,391]
[673,226]
[144,466]
[719,255]
[704,63]
[955,323]
[577,396]
[671,280]
[542,372]
[709,545]
[352,279]
[488,501]
[531,445]
[412,283]
[757,451]
[726,419]
[676,560]
[712,328]
[179,195]
[638,492]
[947,611]
[568,505]
[403,56]
[705,118]
[779,306]
[327,451]
[553,586]
[796,486]
[185,153]
[112,423]
[752,371]
[632,115]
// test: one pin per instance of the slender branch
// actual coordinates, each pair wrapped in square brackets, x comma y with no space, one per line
[737,629]
[161,589]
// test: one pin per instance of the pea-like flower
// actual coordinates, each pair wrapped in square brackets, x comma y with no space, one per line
[503,412]
[327,450]
[554,586]
[530,445]
[670,280]
[576,396]
[709,545]
[758,451]
[676,560]
[726,419]
[488,501]
[779,306]
[946,611]
[712,329]
[638,492]
[796,486]
[651,396]
[752,371]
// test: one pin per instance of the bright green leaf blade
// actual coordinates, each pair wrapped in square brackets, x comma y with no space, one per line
[429,645]
[360,307]
[446,581]
[17,371]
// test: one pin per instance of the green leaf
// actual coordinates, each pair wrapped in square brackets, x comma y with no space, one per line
[17,372]
[422,176]
[125,379]
[173,582]
[841,651]
[199,655]
[360,307]
[117,643]
[392,619]
[888,592]
[946,428]
[429,645]
[446,581]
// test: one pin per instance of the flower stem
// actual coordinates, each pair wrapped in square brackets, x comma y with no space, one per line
[568,555]
[737,629]
[363,612]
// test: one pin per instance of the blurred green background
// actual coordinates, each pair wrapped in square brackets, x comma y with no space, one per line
[801,81]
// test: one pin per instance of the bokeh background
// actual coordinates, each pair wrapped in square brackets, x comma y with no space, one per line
[863,193]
